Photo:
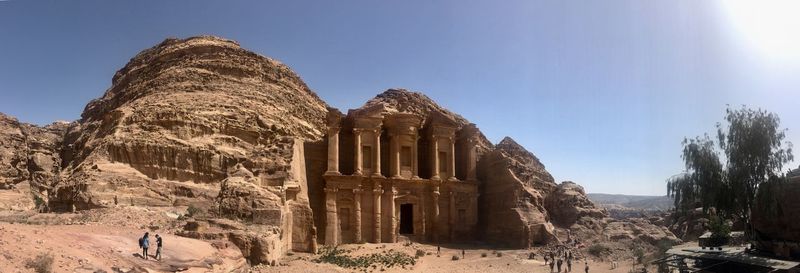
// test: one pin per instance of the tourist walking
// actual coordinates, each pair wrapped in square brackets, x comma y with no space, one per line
[587,266]
[158,247]
[144,243]
[558,264]
[552,264]
[569,265]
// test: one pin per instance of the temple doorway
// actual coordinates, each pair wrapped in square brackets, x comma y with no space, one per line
[406,219]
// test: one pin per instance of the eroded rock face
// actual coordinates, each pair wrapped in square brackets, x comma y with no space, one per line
[639,229]
[568,203]
[512,201]
[13,152]
[186,110]
[690,225]
[203,123]
[30,162]
[175,122]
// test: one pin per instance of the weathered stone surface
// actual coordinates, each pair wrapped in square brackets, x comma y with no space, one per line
[641,229]
[205,124]
[13,152]
[690,225]
[568,203]
[175,121]
[512,210]
[30,162]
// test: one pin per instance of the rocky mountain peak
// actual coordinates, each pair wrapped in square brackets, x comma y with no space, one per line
[520,154]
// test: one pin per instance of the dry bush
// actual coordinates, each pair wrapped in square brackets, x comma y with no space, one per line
[41,264]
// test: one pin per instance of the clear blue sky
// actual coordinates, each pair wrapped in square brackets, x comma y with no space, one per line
[601,91]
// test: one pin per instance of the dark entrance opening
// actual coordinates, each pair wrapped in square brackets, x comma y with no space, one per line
[406,219]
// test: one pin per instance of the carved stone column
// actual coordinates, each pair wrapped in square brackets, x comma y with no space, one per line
[474,209]
[392,217]
[435,161]
[376,199]
[358,157]
[395,168]
[332,223]
[423,215]
[451,170]
[435,228]
[333,151]
[376,157]
[471,159]
[414,158]
[357,205]
[452,222]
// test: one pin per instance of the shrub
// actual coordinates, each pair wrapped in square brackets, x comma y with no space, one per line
[638,252]
[720,231]
[194,211]
[41,264]
[598,249]
[386,259]
[455,258]
[483,255]
[663,245]
[419,253]
[499,254]
[39,203]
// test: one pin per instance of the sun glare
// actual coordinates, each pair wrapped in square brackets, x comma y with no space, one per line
[772,27]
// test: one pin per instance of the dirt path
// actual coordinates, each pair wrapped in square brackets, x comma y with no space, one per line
[509,261]
[88,248]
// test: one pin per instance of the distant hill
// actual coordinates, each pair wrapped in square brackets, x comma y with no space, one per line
[636,202]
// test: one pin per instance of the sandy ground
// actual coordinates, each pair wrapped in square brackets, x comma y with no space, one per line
[107,241]
[96,247]
[509,261]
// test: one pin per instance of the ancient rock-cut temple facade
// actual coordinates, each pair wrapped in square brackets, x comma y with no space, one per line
[399,174]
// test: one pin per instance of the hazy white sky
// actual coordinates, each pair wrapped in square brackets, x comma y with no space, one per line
[602,92]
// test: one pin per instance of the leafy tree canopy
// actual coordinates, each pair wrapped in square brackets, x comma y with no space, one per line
[751,151]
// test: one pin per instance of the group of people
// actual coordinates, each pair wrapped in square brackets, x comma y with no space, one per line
[144,244]
[557,258]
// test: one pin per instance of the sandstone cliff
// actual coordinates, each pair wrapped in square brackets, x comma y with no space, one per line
[180,124]
[30,162]
[512,200]
[237,139]
[569,202]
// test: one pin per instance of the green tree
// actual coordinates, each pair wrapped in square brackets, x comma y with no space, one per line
[754,151]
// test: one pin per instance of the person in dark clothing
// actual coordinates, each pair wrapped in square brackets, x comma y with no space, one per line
[587,266]
[569,265]
[552,264]
[158,247]
[144,243]
[558,264]
[463,253]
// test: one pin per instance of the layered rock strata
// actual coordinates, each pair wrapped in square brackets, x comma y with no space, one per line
[239,139]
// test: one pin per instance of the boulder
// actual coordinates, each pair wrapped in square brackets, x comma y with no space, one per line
[568,202]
